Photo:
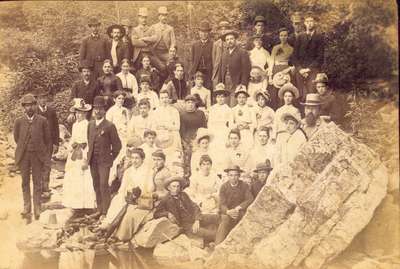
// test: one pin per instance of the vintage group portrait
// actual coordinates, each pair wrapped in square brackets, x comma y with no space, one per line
[249,134]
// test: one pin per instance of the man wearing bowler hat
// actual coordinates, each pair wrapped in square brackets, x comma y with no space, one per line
[259,30]
[138,34]
[234,198]
[116,48]
[201,55]
[47,111]
[33,139]
[104,147]
[235,66]
[94,48]
[312,111]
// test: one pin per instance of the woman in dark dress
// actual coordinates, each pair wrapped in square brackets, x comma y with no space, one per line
[108,83]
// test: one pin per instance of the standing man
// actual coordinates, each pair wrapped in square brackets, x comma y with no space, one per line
[201,55]
[104,146]
[297,24]
[116,48]
[162,38]
[50,114]
[140,47]
[191,120]
[86,87]
[235,69]
[308,56]
[259,30]
[32,136]
[126,23]
[217,51]
[94,49]
[234,198]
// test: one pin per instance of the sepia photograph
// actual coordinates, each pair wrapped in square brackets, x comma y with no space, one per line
[243,134]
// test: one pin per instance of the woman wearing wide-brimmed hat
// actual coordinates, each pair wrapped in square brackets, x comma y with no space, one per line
[288,93]
[78,192]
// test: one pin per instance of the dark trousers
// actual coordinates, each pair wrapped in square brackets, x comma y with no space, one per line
[100,174]
[207,231]
[226,224]
[305,85]
[46,172]
[30,164]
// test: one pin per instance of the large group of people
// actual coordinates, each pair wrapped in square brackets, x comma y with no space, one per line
[153,138]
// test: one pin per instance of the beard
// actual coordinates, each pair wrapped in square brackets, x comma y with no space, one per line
[311,119]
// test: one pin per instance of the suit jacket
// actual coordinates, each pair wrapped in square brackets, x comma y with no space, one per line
[128,43]
[239,66]
[139,45]
[107,140]
[160,32]
[93,50]
[182,207]
[52,120]
[217,51]
[40,137]
[309,53]
[122,51]
[86,92]
[201,51]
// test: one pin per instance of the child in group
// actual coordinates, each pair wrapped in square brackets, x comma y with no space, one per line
[220,117]
[264,114]
[244,118]
[258,83]
[199,89]
[149,147]
[147,92]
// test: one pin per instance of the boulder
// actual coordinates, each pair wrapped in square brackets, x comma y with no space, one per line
[34,238]
[156,231]
[308,214]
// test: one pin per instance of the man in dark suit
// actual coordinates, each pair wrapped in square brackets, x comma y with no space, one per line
[259,29]
[116,48]
[201,55]
[126,23]
[50,114]
[235,68]
[308,57]
[94,48]
[104,147]
[297,25]
[32,136]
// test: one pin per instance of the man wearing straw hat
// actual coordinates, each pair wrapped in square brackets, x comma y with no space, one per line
[93,48]
[201,55]
[312,110]
[140,47]
[33,139]
[104,147]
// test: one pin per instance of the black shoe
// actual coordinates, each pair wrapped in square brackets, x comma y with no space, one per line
[25,214]
[28,219]
[37,216]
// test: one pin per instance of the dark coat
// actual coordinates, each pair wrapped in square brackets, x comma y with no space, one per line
[183,208]
[122,51]
[93,50]
[52,120]
[108,142]
[40,137]
[86,92]
[231,197]
[199,53]
[239,66]
[309,53]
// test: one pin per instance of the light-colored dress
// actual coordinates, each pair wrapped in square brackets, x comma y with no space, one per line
[137,125]
[78,189]
[260,57]
[279,125]
[148,151]
[220,119]
[203,190]
[120,117]
[204,94]
[288,145]
[196,155]
[253,88]
[235,156]
[152,96]
[168,116]
[265,116]
[245,114]
[258,154]
[129,82]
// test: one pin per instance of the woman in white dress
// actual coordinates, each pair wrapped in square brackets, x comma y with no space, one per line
[129,84]
[220,117]
[202,147]
[78,192]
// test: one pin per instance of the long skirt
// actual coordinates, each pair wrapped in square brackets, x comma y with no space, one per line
[131,222]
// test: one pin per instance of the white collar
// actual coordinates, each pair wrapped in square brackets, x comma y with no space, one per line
[30,118]
[43,109]
[98,122]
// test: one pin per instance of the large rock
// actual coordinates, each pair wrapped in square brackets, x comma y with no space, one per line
[308,214]
[155,232]
[35,237]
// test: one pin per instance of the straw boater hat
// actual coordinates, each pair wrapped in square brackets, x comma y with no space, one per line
[203,132]
[265,166]
[288,87]
[312,99]
[220,89]
[118,26]
[290,116]
[79,104]
[321,78]
[143,12]
[181,181]
[28,99]
[233,168]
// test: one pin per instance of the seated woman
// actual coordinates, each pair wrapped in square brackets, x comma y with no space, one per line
[261,150]
[201,147]
[108,83]
[127,224]
[129,84]
[235,153]
[264,114]
[290,141]
[258,83]
[146,92]
[149,71]
[204,186]
[181,210]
